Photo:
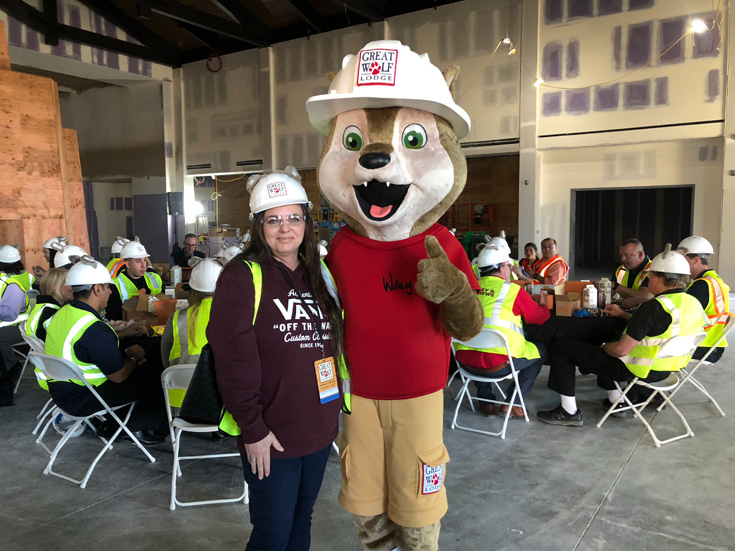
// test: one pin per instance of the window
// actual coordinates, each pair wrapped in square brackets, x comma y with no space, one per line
[638,51]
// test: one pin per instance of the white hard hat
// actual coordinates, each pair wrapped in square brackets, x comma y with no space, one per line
[118,244]
[204,275]
[501,243]
[49,242]
[87,272]
[695,245]
[491,255]
[133,249]
[386,73]
[268,191]
[229,252]
[322,251]
[9,254]
[246,237]
[670,262]
[64,256]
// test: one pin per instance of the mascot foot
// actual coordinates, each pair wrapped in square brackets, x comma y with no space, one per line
[377,533]
[425,538]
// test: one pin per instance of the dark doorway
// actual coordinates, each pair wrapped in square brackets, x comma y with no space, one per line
[602,219]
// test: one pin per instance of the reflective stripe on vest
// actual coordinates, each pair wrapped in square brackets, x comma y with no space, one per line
[718,308]
[687,319]
[185,349]
[114,266]
[546,264]
[127,288]
[497,297]
[35,316]
[64,329]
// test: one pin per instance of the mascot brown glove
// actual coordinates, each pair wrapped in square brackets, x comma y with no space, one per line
[440,282]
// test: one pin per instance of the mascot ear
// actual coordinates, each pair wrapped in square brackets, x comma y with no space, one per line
[291,171]
[450,77]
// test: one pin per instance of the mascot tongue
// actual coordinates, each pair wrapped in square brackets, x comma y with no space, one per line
[380,212]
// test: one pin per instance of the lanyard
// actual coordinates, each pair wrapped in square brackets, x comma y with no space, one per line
[316,322]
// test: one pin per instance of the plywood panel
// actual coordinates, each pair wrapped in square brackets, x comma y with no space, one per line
[75,212]
[36,232]
[4,56]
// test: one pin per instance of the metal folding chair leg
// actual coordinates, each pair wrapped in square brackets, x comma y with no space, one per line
[689,377]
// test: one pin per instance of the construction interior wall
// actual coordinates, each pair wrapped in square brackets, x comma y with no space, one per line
[42,193]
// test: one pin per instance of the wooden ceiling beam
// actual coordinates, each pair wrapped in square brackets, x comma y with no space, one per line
[235,10]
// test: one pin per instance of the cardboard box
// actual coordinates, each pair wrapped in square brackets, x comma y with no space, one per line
[555,289]
[567,304]
[575,286]
[136,308]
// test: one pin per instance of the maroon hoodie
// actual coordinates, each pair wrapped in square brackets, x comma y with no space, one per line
[266,371]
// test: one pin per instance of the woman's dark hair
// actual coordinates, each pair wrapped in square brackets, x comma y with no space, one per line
[12,268]
[258,250]
[532,245]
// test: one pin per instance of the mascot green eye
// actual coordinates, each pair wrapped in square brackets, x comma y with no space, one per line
[352,138]
[414,136]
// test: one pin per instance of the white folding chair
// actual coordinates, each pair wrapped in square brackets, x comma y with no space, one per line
[59,369]
[488,338]
[49,408]
[175,381]
[676,347]
[688,373]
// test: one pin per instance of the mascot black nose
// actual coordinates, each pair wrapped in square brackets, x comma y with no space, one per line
[374,160]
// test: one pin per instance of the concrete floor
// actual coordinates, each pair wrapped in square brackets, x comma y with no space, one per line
[542,488]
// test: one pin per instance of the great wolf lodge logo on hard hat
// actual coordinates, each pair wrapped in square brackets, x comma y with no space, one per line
[377,67]
[276,189]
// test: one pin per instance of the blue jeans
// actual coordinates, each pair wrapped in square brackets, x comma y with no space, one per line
[281,504]
[527,370]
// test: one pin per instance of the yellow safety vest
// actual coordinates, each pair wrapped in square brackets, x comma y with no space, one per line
[6,280]
[622,276]
[64,330]
[188,344]
[687,319]
[127,288]
[114,266]
[32,330]
[25,280]
[718,308]
[228,424]
[497,297]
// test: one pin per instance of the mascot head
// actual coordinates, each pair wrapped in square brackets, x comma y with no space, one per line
[392,162]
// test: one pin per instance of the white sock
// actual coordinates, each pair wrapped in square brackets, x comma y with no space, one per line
[569,403]
[613,395]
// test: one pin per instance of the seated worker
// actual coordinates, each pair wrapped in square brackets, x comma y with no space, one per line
[13,306]
[181,257]
[631,278]
[550,269]
[66,255]
[137,274]
[711,292]
[77,333]
[116,263]
[506,307]
[656,324]
[48,254]
[54,294]
[11,266]
[530,252]
[185,333]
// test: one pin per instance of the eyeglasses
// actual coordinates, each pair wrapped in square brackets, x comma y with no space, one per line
[276,221]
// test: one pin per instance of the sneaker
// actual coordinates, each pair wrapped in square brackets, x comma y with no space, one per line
[619,414]
[558,416]
[62,424]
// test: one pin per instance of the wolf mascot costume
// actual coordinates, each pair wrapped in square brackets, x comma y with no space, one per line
[392,165]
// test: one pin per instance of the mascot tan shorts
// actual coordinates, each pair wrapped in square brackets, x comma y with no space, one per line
[393,459]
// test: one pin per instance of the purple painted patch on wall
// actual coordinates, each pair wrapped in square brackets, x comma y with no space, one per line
[607,7]
[637,95]
[577,101]
[617,41]
[579,8]
[703,153]
[607,98]
[553,11]
[638,51]
[551,68]
[551,104]
[671,47]
[169,150]
[639,4]
[707,43]
[662,91]
[573,59]
[713,85]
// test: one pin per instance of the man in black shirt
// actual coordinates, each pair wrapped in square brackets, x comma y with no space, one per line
[182,256]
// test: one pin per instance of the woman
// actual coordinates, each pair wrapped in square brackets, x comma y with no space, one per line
[185,333]
[531,252]
[54,294]
[273,330]
[13,305]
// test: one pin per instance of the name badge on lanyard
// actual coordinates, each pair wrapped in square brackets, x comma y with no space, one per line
[326,378]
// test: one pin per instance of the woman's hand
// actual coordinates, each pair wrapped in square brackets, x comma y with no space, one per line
[259,455]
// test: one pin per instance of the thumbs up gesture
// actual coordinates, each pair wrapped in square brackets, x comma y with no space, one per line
[438,278]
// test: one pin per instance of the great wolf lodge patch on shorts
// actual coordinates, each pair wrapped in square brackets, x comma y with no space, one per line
[432,479]
[276,189]
[377,66]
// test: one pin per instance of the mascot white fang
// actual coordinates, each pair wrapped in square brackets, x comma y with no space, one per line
[392,165]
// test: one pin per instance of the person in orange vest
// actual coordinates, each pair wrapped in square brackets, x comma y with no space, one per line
[630,280]
[550,269]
